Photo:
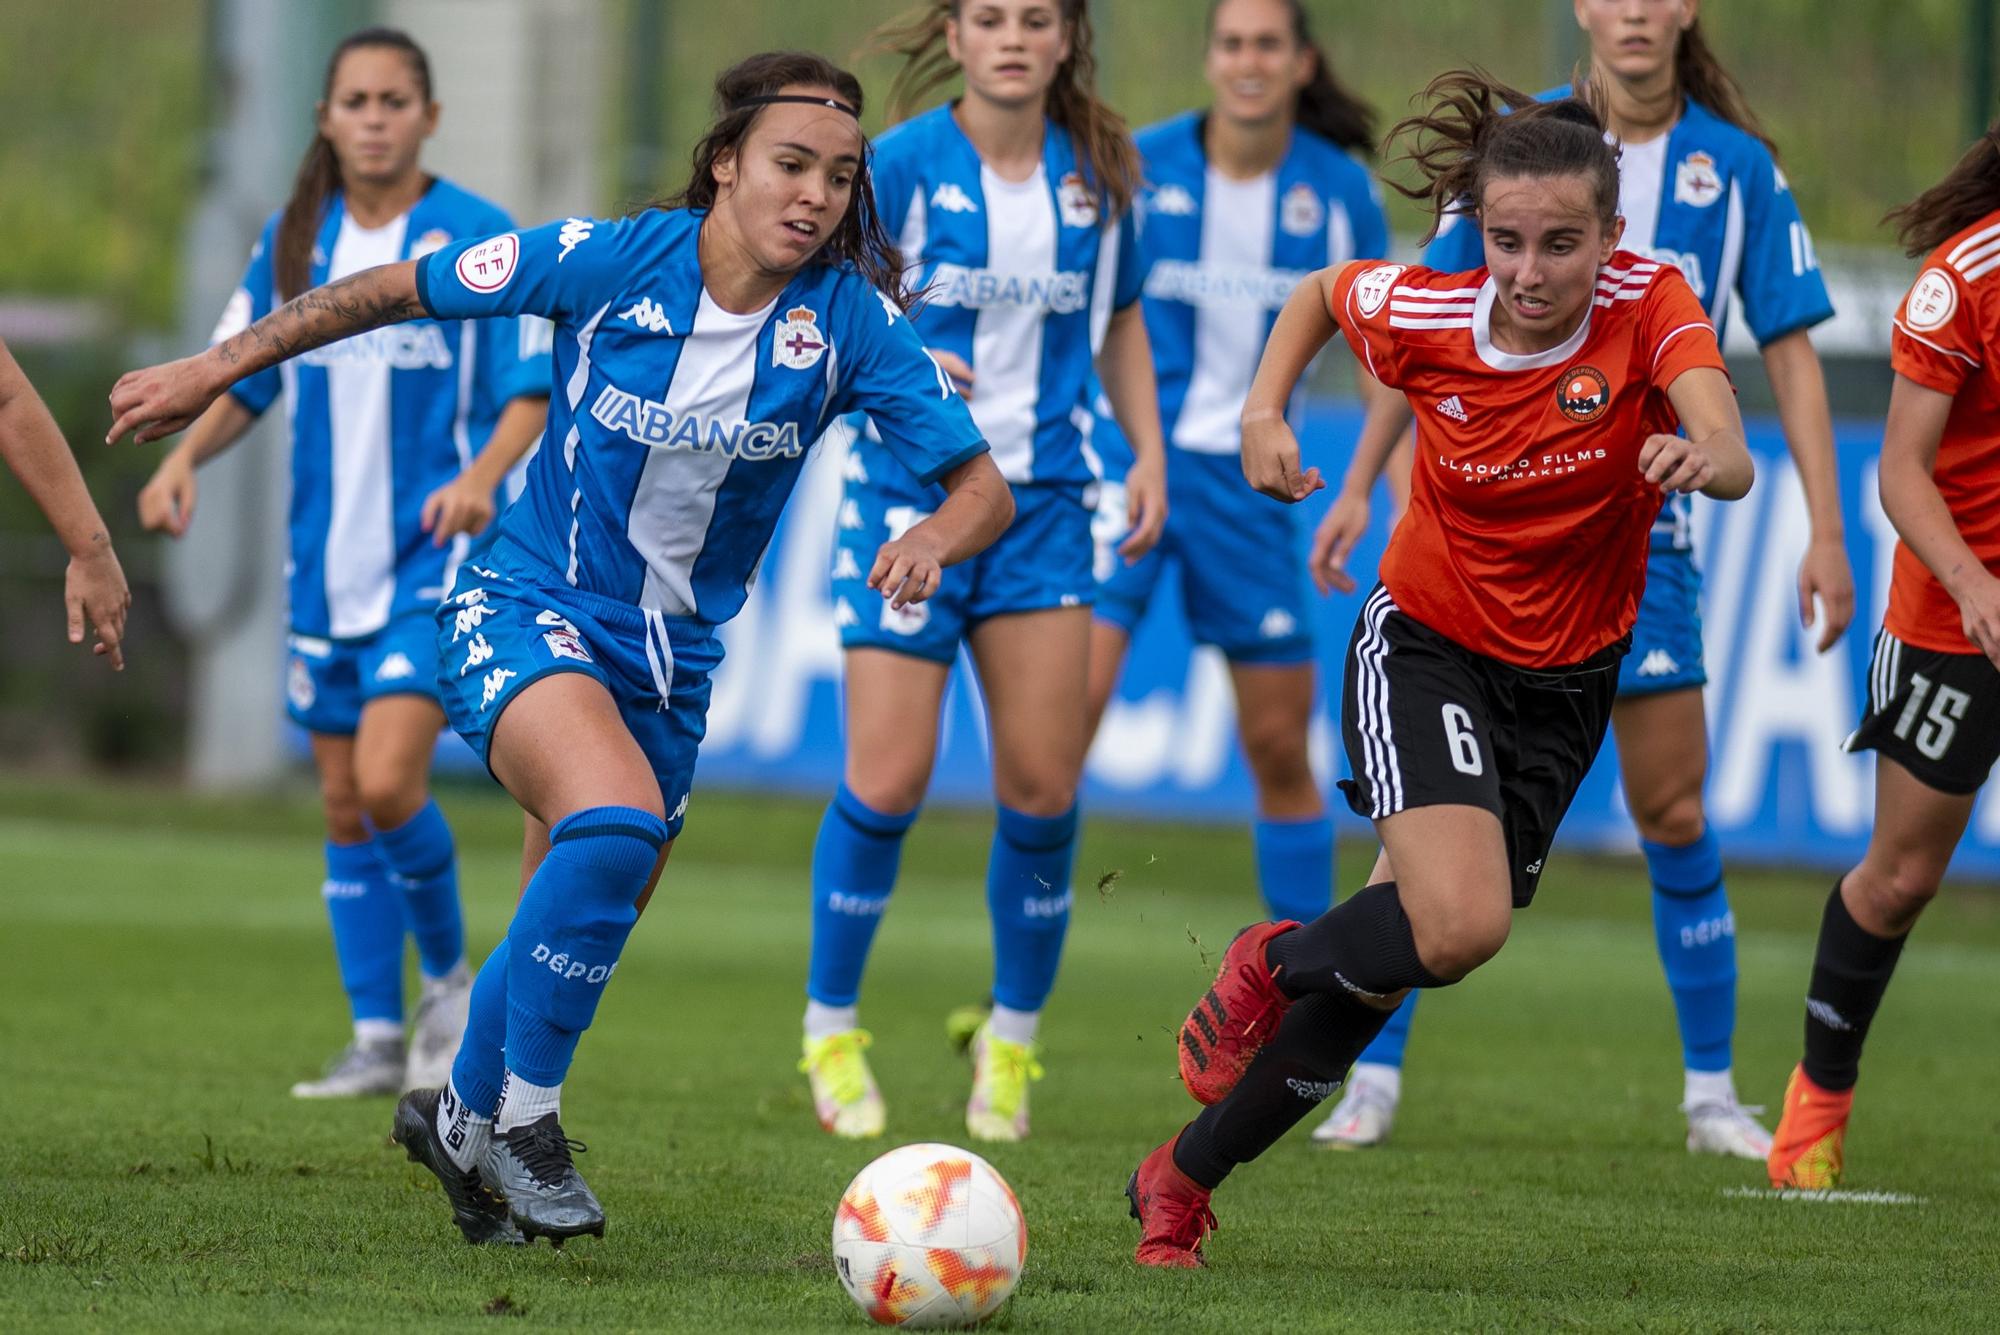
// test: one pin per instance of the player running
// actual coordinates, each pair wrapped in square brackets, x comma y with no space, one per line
[95,595]
[702,345]
[1698,189]
[399,439]
[1481,673]
[1932,687]
[1013,208]
[1241,200]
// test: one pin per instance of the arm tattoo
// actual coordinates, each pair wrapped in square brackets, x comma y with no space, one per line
[341,309]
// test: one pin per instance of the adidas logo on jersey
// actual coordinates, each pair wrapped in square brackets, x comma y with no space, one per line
[952,199]
[1658,663]
[648,316]
[1453,408]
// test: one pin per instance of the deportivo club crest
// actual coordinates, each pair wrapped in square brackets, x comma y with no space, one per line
[1696,181]
[797,342]
[1583,394]
[1301,214]
[1078,204]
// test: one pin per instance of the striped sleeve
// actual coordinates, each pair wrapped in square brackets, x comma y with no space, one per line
[1360,305]
[1675,335]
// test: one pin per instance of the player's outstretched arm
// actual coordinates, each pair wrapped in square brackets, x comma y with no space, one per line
[161,400]
[1713,458]
[1798,382]
[1270,450]
[1126,368]
[1383,432]
[1911,499]
[94,588]
[978,506]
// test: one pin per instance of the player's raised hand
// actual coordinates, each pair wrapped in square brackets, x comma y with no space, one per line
[1825,576]
[1675,463]
[96,597]
[908,569]
[166,502]
[1333,542]
[462,505]
[1271,461]
[160,400]
[1145,507]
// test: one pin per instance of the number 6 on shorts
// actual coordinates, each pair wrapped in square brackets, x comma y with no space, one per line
[1464,742]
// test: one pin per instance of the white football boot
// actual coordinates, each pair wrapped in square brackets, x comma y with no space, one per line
[1367,1109]
[436,1031]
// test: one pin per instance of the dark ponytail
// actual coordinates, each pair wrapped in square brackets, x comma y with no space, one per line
[1325,106]
[1106,155]
[859,238]
[1476,129]
[319,172]
[1969,191]
[1701,79]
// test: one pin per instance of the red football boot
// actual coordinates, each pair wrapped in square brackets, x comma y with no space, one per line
[1172,1211]
[1233,1022]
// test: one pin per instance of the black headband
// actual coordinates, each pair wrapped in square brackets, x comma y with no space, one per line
[802,98]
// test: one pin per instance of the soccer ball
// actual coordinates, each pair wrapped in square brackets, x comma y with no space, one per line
[929,1236]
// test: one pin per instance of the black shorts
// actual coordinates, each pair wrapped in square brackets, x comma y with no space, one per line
[1428,722]
[1935,714]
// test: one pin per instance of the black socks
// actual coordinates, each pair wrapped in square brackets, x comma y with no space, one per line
[1361,945]
[1305,1062]
[1851,971]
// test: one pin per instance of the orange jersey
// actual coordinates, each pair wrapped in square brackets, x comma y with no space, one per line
[1947,338]
[1527,530]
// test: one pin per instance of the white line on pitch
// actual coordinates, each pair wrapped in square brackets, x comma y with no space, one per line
[1823,1197]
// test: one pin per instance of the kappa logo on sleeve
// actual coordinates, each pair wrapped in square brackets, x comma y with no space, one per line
[575,231]
[489,266]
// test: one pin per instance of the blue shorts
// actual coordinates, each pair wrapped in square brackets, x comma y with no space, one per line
[511,620]
[1041,561]
[1242,580]
[327,682]
[1666,641]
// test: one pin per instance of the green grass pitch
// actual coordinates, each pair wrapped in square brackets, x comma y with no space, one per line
[167,975]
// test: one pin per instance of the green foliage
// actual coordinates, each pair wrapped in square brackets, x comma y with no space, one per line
[168,976]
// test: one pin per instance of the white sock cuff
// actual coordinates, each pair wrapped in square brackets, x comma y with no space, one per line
[522,1103]
[1710,1087]
[378,1031]
[823,1021]
[1012,1025]
[1376,1075]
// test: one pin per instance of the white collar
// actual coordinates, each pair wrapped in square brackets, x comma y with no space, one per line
[1482,337]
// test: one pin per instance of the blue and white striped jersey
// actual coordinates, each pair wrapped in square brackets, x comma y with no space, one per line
[381,420]
[678,428]
[1708,199]
[1020,279]
[1221,256]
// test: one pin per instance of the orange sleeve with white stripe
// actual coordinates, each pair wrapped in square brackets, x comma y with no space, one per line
[1936,340]
[1360,304]
[1675,332]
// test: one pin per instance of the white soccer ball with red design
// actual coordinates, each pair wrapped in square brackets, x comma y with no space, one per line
[929,1236]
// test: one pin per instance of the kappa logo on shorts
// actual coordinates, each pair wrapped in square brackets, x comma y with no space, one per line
[844,564]
[1583,394]
[396,667]
[680,807]
[477,651]
[496,681]
[1277,624]
[1658,663]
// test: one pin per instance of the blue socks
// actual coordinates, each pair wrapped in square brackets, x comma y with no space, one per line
[1697,938]
[1295,866]
[568,932]
[855,860]
[423,864]
[367,917]
[1387,1048]
[477,1071]
[1028,895]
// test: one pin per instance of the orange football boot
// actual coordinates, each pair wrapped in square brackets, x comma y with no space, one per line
[1172,1210]
[1233,1021]
[1806,1148]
